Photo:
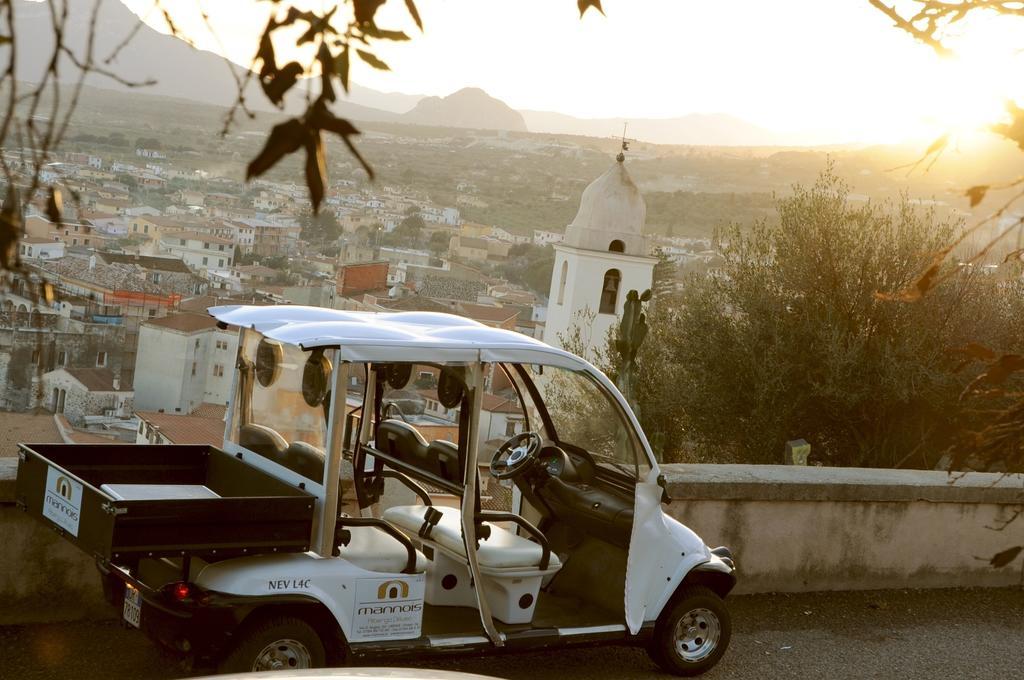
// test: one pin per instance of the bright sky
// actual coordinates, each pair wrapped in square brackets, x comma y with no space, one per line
[830,70]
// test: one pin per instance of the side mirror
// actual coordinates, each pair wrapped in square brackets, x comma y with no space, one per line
[665,498]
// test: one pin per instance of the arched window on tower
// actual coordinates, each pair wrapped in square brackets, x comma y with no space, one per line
[610,291]
[617,246]
[561,282]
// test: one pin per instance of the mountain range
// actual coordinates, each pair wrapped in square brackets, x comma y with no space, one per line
[181,71]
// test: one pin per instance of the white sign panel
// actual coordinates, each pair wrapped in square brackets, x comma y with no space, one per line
[388,608]
[62,503]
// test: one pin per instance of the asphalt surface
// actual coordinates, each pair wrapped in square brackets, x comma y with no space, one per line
[933,634]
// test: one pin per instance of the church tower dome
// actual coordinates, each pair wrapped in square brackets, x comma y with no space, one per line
[603,257]
[611,209]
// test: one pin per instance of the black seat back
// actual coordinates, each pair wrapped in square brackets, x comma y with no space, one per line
[264,441]
[305,459]
[403,442]
[444,457]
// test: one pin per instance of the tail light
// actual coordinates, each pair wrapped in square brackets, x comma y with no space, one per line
[183,591]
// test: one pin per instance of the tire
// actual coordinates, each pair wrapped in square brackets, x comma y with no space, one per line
[276,643]
[693,632]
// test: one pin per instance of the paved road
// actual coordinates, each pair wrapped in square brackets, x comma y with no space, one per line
[886,634]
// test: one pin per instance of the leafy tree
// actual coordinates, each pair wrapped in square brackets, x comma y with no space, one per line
[439,241]
[408,233]
[529,266]
[790,339]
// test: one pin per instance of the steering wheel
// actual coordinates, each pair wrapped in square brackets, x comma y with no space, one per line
[515,455]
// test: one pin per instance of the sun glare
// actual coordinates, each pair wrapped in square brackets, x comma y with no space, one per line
[972,87]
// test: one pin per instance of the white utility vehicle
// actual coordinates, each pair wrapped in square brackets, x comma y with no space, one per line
[523,508]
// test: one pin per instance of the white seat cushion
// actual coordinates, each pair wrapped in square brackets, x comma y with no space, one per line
[502,550]
[156,492]
[374,550]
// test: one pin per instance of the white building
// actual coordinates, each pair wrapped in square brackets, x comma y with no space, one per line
[183,360]
[603,257]
[199,251]
[543,238]
[33,248]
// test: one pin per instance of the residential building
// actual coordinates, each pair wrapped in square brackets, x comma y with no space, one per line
[183,361]
[80,392]
[199,251]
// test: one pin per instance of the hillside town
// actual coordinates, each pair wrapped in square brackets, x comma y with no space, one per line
[126,352]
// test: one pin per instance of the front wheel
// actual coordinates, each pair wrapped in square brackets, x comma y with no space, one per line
[276,644]
[692,634]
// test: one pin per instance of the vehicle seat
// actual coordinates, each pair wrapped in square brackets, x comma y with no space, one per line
[444,458]
[501,550]
[305,459]
[402,441]
[263,440]
[373,550]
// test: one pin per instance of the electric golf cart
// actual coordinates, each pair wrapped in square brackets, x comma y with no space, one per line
[390,484]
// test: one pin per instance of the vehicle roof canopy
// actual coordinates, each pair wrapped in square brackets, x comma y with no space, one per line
[395,336]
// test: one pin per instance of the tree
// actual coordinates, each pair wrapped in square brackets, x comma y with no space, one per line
[408,233]
[790,340]
[439,241]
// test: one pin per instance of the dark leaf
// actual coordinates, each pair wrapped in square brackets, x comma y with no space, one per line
[1013,130]
[916,291]
[285,138]
[365,10]
[1005,557]
[974,350]
[381,34]
[294,14]
[341,67]
[584,5]
[414,13]
[55,206]
[372,60]
[646,295]
[265,53]
[326,60]
[277,84]
[977,194]
[317,26]
[1002,368]
[10,229]
[316,169]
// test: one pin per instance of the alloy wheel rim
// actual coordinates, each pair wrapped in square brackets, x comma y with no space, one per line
[697,634]
[282,655]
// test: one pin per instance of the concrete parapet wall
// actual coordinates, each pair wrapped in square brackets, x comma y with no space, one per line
[809,529]
[791,529]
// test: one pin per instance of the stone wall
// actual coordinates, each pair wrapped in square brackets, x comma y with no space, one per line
[79,341]
[791,529]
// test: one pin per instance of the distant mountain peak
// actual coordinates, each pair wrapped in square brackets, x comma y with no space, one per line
[470,107]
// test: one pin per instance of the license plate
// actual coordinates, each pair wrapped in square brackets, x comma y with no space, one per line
[132,605]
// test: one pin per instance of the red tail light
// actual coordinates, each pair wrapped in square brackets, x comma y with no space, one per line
[181,591]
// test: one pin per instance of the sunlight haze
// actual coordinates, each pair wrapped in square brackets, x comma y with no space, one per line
[816,72]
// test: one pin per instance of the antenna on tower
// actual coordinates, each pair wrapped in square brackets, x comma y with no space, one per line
[625,144]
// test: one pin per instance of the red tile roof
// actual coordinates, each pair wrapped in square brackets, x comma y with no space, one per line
[190,429]
[186,321]
[97,379]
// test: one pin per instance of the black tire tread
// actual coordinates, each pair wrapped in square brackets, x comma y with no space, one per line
[261,632]
[661,647]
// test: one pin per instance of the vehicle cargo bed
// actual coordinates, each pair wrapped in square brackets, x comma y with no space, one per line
[122,502]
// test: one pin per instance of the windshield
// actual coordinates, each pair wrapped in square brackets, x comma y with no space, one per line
[284,397]
[583,415]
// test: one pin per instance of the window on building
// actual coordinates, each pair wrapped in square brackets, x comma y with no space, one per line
[197,344]
[35,356]
[145,228]
[204,260]
[561,282]
[152,313]
[101,358]
[610,291]
[62,358]
[194,366]
[181,242]
[86,242]
[218,370]
[220,263]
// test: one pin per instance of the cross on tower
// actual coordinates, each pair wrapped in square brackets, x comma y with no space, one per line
[625,144]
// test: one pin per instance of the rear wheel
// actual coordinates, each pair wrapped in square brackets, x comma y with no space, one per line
[692,634]
[276,644]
